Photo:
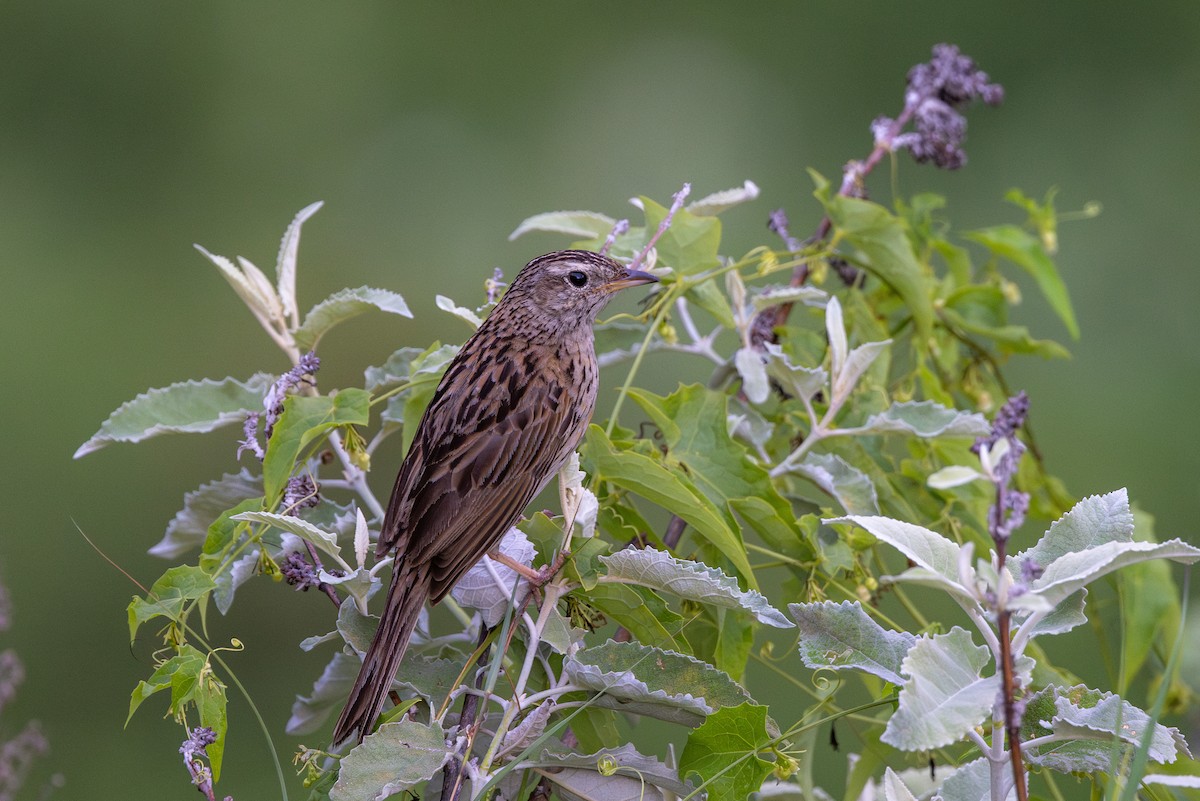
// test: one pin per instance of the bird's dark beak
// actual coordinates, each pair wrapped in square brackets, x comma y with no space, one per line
[631,278]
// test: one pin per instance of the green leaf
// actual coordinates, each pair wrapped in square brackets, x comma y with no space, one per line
[719,466]
[397,757]
[303,420]
[643,680]
[461,312]
[191,407]
[189,528]
[709,297]
[190,681]
[694,581]
[887,253]
[842,481]
[1025,250]
[1095,520]
[1011,338]
[971,782]
[325,541]
[581,224]
[168,596]
[1149,605]
[188,662]
[690,245]
[944,696]
[930,551]
[285,262]
[1074,571]
[395,370]
[840,636]
[723,752]
[646,616]
[651,480]
[1089,722]
[799,381]
[925,419]
[341,306]
[427,370]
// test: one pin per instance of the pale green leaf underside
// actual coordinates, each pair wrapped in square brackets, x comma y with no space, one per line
[192,407]
[324,540]
[841,635]
[925,419]
[343,305]
[582,224]
[944,696]
[694,581]
[189,527]
[397,757]
[651,681]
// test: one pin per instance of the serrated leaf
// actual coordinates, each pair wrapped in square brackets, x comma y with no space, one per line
[717,202]
[397,757]
[894,789]
[395,370]
[168,596]
[650,681]
[694,581]
[925,419]
[1071,572]
[189,527]
[303,420]
[285,263]
[341,306]
[1026,251]
[1095,520]
[1067,615]
[841,635]
[842,481]
[971,782]
[798,381]
[887,253]
[944,696]
[1081,713]
[927,549]
[582,224]
[192,407]
[723,752]
[325,541]
[461,312]
[625,762]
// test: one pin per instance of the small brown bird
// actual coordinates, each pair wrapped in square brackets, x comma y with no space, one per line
[511,407]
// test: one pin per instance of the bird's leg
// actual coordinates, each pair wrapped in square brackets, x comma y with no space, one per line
[536,578]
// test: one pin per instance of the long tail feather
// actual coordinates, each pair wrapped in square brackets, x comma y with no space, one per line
[406,597]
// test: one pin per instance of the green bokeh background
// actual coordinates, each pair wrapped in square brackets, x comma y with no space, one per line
[129,131]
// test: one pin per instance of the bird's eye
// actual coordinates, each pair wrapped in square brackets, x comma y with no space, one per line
[577,278]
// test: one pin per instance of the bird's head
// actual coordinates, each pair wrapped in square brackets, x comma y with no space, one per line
[572,286]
